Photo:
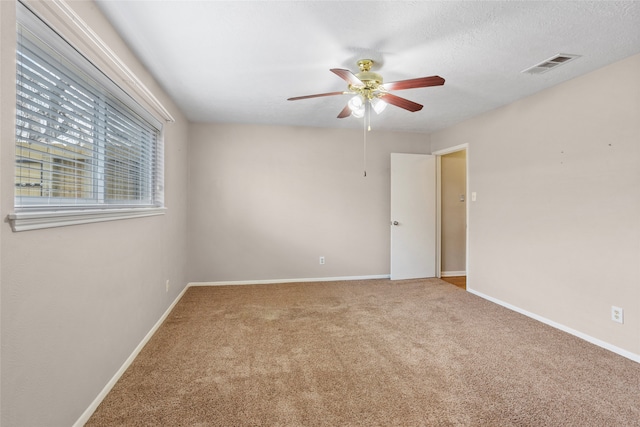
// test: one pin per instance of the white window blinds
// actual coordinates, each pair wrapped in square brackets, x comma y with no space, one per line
[81,142]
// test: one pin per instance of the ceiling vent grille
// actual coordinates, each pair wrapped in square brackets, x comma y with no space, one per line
[553,62]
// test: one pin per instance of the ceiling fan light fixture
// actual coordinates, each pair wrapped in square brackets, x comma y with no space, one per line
[370,93]
[368,89]
[357,106]
[358,114]
[378,105]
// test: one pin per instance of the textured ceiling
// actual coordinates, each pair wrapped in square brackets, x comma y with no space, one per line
[239,61]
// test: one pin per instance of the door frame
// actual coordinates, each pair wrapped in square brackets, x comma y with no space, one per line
[439,154]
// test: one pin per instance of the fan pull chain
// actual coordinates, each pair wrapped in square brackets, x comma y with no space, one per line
[366,126]
[364,158]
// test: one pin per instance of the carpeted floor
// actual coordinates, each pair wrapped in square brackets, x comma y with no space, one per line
[366,353]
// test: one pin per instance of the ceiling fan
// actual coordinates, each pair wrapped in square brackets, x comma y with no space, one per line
[371,93]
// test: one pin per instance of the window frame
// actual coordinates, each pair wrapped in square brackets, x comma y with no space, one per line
[27,216]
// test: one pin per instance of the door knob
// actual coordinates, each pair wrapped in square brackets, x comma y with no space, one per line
[395,223]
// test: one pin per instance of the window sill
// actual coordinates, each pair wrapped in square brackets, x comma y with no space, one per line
[35,220]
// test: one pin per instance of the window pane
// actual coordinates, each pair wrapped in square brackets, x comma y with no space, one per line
[79,142]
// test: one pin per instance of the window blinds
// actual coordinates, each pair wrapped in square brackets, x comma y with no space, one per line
[80,140]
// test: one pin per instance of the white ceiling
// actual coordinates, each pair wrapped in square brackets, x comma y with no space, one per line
[239,61]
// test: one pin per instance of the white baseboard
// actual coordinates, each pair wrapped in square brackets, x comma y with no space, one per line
[96,402]
[622,352]
[269,282]
[452,273]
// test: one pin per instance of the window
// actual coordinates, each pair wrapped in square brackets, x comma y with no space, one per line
[81,141]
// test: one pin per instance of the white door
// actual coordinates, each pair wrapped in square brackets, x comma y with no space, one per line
[413,216]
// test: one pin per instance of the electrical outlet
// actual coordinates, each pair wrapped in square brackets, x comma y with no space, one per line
[617,314]
[167,285]
[321,260]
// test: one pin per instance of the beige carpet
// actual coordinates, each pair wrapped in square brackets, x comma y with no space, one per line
[366,353]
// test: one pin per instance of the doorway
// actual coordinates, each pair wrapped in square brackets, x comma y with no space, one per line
[452,215]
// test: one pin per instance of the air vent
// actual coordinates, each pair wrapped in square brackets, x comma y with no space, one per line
[553,62]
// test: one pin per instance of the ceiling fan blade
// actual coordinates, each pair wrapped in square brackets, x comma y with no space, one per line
[401,102]
[347,76]
[318,95]
[414,83]
[346,112]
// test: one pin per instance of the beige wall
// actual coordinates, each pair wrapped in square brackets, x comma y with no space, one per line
[555,229]
[267,202]
[454,212]
[76,301]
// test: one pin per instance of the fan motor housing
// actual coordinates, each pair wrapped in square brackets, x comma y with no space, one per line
[369,78]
